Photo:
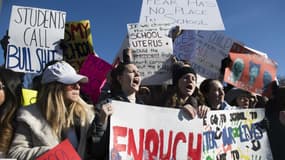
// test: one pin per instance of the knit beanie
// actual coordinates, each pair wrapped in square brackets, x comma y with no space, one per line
[180,71]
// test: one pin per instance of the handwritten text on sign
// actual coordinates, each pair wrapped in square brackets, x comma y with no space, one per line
[78,41]
[204,49]
[235,134]
[189,14]
[34,35]
[152,48]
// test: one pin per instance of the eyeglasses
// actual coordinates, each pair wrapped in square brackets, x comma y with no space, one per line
[2,86]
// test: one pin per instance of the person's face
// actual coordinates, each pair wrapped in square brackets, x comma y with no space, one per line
[243,101]
[71,93]
[187,84]
[2,93]
[216,94]
[130,80]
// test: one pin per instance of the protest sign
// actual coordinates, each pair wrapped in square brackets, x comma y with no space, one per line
[34,38]
[150,132]
[204,49]
[235,134]
[188,14]
[152,51]
[29,96]
[78,42]
[96,69]
[250,71]
[63,151]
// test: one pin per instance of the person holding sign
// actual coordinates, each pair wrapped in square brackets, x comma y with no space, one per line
[10,101]
[58,114]
[213,92]
[185,93]
[125,83]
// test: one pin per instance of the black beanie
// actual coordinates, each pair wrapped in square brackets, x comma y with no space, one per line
[179,72]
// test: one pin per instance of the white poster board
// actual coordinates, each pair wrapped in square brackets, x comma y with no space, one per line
[236,134]
[152,50]
[35,34]
[204,49]
[140,132]
[188,14]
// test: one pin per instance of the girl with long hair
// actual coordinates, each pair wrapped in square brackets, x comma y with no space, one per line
[10,101]
[58,114]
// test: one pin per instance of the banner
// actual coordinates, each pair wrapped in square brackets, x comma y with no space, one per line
[236,134]
[152,50]
[96,69]
[250,71]
[204,49]
[188,14]
[150,132]
[78,42]
[35,34]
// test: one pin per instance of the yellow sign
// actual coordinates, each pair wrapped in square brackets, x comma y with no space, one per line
[29,96]
[77,42]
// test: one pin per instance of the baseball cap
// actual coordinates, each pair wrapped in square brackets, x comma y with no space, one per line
[62,72]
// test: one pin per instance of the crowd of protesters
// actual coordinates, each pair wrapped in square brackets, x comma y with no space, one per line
[60,112]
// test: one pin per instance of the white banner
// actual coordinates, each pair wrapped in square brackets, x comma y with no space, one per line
[147,132]
[34,35]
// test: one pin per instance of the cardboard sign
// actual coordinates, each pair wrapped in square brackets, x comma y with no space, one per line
[96,69]
[29,96]
[189,14]
[78,42]
[63,151]
[151,132]
[152,50]
[250,71]
[235,134]
[34,38]
[204,49]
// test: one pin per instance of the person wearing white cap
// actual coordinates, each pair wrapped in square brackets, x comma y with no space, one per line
[58,114]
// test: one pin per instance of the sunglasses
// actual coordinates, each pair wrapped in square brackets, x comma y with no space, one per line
[74,86]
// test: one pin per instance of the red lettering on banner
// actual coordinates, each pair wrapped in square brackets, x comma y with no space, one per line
[153,142]
[152,138]
[179,137]
[132,150]
[195,154]
[166,156]
[119,132]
